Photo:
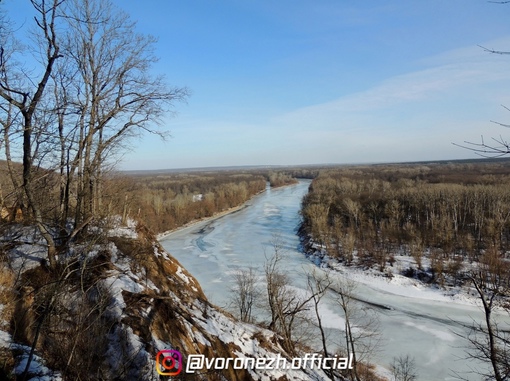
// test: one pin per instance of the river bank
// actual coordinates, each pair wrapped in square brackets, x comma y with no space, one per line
[215,216]
[221,214]
[393,279]
[213,251]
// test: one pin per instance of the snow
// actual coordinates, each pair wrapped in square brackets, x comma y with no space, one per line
[201,339]
[149,284]
[440,334]
[36,368]
[5,339]
[183,276]
[126,352]
[159,253]
[118,282]
[393,282]
[27,256]
[330,318]
[128,231]
[160,344]
[239,240]
[383,372]
[196,334]
[242,335]
[123,343]
[30,249]
[189,281]
[29,252]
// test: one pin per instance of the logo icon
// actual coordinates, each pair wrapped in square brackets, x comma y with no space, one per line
[169,362]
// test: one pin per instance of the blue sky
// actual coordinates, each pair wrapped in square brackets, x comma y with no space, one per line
[325,81]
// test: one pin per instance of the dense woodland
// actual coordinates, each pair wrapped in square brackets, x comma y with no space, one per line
[167,201]
[451,214]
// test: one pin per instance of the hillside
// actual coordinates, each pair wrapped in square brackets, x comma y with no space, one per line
[114,301]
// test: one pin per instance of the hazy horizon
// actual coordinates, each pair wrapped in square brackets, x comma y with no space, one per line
[315,165]
[293,82]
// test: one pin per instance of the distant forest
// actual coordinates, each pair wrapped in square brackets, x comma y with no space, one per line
[167,201]
[449,213]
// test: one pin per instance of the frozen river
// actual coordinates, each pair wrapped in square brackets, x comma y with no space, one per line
[422,326]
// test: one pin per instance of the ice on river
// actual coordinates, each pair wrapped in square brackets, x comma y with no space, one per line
[414,320]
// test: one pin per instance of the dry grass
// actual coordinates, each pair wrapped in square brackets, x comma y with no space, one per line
[7,303]
[7,295]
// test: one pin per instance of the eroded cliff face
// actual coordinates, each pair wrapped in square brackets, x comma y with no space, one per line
[112,305]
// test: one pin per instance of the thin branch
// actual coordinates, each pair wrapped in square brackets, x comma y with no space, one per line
[501,124]
[485,150]
[494,51]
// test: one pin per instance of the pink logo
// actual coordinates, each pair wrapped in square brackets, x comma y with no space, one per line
[169,362]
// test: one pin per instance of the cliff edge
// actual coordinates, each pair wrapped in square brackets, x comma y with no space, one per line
[117,299]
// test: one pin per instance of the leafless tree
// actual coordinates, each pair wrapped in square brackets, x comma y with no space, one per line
[92,91]
[115,95]
[361,326]
[275,279]
[28,96]
[497,147]
[318,285]
[403,368]
[245,293]
[489,342]
[286,305]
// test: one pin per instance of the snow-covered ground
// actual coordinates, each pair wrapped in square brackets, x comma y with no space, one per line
[392,281]
[422,321]
[143,291]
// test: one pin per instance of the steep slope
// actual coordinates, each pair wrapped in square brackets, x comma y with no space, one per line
[116,300]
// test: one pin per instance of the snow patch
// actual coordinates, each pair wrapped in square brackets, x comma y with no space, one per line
[160,253]
[118,230]
[36,368]
[183,276]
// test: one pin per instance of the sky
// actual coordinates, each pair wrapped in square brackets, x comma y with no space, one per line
[294,82]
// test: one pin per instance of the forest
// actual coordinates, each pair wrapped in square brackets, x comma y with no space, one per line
[453,214]
[166,201]
[449,219]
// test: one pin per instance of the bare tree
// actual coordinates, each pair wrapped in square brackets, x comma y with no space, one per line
[361,326]
[286,306]
[403,368]
[318,285]
[115,95]
[71,115]
[245,293]
[275,280]
[489,342]
[497,147]
[27,96]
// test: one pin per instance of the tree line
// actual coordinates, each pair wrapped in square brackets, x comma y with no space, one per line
[379,211]
[165,201]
